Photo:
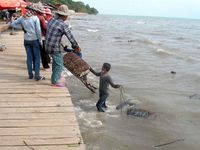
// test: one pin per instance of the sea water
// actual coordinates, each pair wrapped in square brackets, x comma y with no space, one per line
[143,51]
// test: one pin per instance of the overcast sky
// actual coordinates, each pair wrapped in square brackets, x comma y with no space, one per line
[162,8]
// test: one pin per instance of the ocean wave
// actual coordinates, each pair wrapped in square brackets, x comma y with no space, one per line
[143,41]
[92,30]
[164,52]
[140,22]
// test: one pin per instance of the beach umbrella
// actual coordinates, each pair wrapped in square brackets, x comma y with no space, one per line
[12,4]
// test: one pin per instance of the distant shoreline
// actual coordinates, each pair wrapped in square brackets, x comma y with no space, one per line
[79,13]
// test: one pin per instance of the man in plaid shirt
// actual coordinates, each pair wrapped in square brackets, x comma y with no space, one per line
[56,28]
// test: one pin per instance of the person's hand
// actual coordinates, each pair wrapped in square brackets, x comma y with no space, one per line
[40,42]
[77,49]
[119,86]
[66,49]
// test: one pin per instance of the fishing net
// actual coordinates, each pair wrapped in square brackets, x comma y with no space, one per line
[131,107]
[137,112]
[124,101]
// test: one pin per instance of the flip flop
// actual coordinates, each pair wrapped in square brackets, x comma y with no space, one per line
[61,85]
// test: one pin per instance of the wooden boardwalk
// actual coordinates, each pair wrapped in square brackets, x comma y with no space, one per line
[33,114]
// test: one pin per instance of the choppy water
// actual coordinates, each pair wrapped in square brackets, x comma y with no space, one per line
[142,51]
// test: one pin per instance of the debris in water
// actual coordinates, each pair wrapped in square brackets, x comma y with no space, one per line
[194,96]
[169,143]
[173,72]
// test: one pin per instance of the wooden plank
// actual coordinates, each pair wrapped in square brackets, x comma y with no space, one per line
[27,86]
[4,27]
[42,95]
[33,104]
[40,130]
[36,99]
[46,135]
[42,109]
[8,141]
[31,91]
[19,116]
[38,123]
[53,147]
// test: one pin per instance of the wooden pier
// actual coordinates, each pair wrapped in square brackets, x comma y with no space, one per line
[33,114]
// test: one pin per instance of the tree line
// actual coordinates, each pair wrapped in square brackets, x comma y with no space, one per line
[76,6]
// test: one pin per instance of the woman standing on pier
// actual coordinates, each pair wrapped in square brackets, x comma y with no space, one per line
[32,37]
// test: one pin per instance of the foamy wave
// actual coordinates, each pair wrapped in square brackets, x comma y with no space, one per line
[90,122]
[66,73]
[111,108]
[140,22]
[81,115]
[77,108]
[164,52]
[113,115]
[86,102]
[92,30]
[89,119]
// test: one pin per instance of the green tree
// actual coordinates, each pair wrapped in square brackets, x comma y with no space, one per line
[76,6]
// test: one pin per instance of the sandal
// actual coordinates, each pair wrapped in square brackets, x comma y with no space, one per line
[61,85]
[40,78]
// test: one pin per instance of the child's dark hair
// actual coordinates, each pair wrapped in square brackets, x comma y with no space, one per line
[106,66]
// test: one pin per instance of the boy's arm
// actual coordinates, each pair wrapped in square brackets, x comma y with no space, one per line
[94,72]
[112,84]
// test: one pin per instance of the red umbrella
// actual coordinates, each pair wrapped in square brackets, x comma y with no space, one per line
[12,4]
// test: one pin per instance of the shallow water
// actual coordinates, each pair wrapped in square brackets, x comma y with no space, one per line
[142,51]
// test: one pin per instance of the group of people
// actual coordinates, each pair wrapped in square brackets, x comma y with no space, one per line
[5,15]
[42,38]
